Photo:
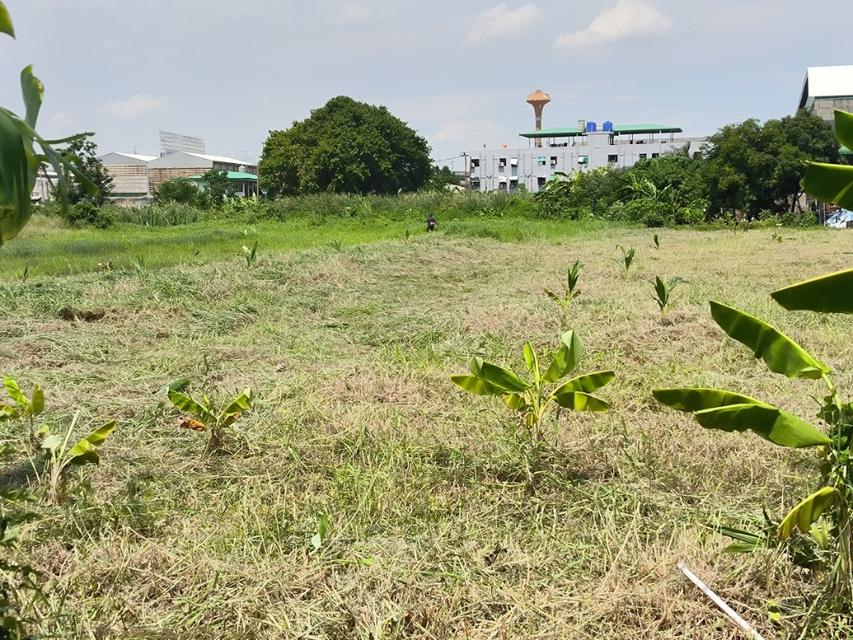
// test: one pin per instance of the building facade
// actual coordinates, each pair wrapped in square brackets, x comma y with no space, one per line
[566,150]
[129,172]
[181,164]
[826,89]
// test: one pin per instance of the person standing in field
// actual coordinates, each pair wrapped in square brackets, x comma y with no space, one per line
[431,223]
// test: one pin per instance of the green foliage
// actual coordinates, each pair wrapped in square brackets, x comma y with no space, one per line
[830,182]
[86,213]
[82,153]
[663,291]
[20,161]
[251,255]
[627,257]
[59,458]
[441,178]
[729,411]
[779,352]
[533,397]
[753,167]
[216,187]
[569,196]
[22,407]
[570,292]
[832,293]
[178,190]
[345,147]
[215,420]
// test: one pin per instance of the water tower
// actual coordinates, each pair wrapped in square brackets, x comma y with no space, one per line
[538,99]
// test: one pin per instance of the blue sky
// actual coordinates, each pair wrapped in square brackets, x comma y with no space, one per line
[457,72]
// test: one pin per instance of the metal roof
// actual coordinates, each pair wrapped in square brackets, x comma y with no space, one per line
[568,132]
[826,82]
[221,159]
[844,151]
[133,156]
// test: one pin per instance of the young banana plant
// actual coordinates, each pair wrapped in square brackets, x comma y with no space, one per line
[731,411]
[532,398]
[59,458]
[570,292]
[23,408]
[627,257]
[206,417]
[663,292]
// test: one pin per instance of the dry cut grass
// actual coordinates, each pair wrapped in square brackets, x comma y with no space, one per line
[436,530]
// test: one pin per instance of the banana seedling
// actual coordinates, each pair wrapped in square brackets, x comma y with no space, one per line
[570,292]
[23,408]
[730,411]
[627,257]
[663,292]
[532,398]
[250,255]
[59,458]
[206,417]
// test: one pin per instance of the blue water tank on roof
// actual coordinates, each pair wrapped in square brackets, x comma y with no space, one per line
[591,127]
[607,126]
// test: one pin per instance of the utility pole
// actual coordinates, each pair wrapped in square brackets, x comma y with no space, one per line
[467,169]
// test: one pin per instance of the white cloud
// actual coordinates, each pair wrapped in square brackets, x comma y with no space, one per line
[501,22]
[134,106]
[354,13]
[625,20]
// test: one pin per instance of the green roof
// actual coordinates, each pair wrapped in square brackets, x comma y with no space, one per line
[844,151]
[232,175]
[568,132]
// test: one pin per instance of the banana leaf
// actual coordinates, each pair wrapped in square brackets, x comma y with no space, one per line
[779,352]
[831,293]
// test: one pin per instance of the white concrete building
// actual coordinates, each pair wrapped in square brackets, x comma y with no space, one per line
[572,149]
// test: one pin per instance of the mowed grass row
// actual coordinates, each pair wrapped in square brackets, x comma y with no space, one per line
[47,248]
[436,530]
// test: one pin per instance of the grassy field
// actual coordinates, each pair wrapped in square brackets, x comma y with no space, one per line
[46,247]
[436,530]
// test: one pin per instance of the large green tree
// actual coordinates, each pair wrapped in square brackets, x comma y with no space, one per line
[345,147]
[753,167]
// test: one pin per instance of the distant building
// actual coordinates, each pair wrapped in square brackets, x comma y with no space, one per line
[45,183]
[573,149]
[181,164]
[170,142]
[129,172]
[826,89]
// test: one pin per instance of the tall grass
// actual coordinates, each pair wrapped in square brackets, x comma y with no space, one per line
[408,207]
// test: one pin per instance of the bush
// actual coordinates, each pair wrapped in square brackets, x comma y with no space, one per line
[86,213]
[645,211]
[179,190]
[804,219]
[693,214]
